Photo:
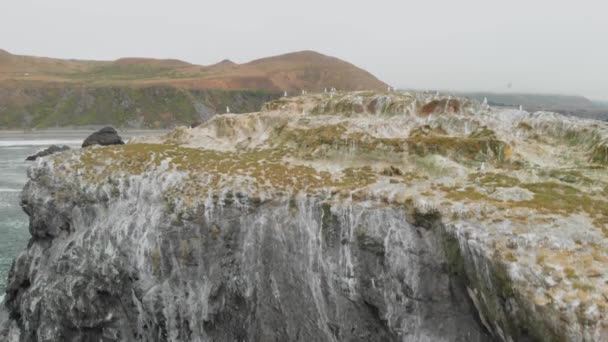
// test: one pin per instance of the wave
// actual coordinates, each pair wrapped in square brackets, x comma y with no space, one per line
[9,190]
[41,142]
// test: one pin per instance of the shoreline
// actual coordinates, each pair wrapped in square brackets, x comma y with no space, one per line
[76,130]
[71,137]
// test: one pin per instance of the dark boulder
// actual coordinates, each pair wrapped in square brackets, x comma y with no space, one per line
[46,152]
[105,136]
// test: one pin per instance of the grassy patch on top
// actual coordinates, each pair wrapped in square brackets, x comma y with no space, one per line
[460,148]
[549,197]
[600,154]
[494,180]
[265,167]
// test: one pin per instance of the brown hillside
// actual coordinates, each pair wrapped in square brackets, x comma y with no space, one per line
[306,70]
[176,63]
[13,65]
[313,71]
[224,63]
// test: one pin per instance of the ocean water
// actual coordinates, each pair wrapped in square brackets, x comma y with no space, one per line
[14,148]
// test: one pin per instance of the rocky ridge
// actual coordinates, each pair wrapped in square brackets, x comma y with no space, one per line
[329,217]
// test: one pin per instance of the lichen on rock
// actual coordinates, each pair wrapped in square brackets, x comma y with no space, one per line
[334,217]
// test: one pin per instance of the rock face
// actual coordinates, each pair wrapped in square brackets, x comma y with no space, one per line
[233,270]
[342,217]
[105,136]
[48,151]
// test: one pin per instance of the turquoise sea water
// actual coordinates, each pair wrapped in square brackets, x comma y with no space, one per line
[14,148]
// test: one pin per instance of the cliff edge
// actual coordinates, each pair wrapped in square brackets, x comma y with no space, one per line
[355,216]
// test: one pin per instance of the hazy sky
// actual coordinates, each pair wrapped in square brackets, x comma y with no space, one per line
[550,46]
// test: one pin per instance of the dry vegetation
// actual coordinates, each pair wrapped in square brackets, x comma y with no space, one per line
[295,71]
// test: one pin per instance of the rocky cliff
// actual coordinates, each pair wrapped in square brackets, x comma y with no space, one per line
[43,105]
[335,217]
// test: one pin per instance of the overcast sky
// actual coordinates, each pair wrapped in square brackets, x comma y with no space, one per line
[550,46]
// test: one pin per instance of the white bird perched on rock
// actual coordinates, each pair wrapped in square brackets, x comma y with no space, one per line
[413,107]
[447,104]
[227,109]
[521,108]
[485,105]
[285,94]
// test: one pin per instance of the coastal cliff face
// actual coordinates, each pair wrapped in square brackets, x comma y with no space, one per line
[125,266]
[336,217]
[43,105]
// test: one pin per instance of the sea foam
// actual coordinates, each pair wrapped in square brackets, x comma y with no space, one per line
[46,142]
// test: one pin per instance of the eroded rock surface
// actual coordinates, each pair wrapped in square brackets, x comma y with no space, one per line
[335,217]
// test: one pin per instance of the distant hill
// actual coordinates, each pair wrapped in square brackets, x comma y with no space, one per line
[145,92]
[566,104]
[305,70]
[600,104]
[313,71]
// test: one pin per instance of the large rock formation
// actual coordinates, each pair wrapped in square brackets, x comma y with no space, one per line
[342,217]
